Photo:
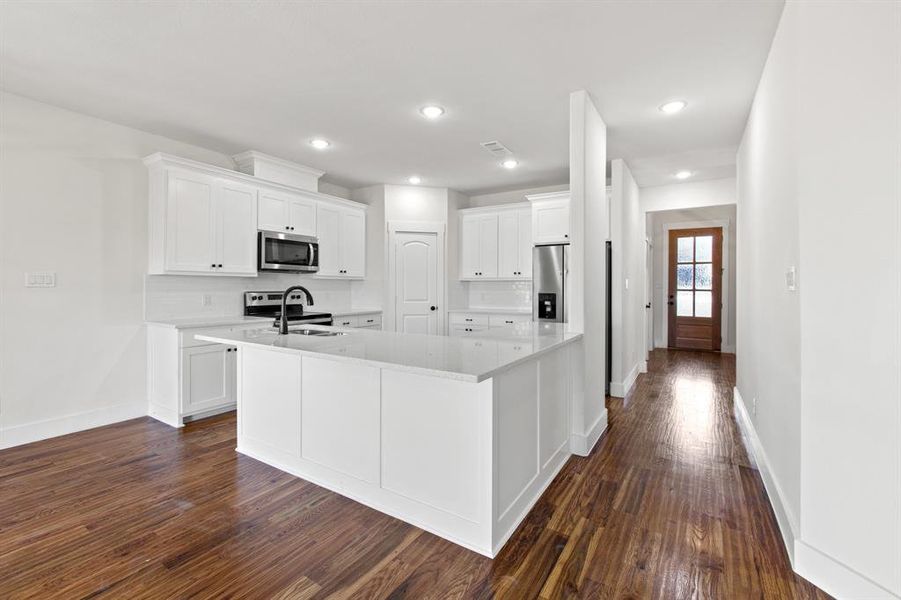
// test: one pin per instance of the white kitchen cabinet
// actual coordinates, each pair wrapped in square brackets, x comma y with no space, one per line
[363,321]
[514,245]
[208,377]
[201,224]
[342,241]
[479,245]
[190,378]
[287,212]
[550,218]
[476,324]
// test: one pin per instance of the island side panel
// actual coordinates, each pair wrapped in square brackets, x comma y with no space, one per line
[269,387]
[532,424]
[437,453]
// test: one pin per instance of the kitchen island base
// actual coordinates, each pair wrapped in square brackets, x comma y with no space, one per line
[464,460]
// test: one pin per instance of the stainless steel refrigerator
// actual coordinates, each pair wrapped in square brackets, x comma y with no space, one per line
[549,283]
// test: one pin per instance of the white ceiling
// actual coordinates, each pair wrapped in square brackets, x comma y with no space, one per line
[268,76]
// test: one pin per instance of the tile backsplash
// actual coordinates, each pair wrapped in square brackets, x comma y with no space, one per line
[500,294]
[180,296]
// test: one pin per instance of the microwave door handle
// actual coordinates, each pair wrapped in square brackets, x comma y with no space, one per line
[312,253]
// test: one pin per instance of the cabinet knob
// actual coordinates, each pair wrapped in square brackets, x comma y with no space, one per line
[213,265]
[220,266]
[566,235]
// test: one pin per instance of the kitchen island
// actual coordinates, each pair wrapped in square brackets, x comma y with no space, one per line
[458,436]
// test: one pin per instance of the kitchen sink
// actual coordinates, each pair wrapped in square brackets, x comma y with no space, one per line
[319,332]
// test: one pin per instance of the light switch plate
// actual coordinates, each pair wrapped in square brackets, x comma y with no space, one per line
[790,278]
[41,279]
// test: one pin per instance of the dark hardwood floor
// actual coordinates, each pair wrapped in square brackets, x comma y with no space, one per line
[668,505]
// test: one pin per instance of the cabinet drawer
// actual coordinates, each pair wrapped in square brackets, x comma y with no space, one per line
[348,321]
[507,320]
[469,319]
[467,330]
[370,321]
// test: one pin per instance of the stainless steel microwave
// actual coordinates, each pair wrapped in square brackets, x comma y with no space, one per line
[287,253]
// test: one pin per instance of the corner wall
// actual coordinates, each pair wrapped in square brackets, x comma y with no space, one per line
[627,234]
[588,215]
[73,356]
[819,367]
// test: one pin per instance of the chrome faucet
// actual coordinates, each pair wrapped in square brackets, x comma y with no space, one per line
[283,322]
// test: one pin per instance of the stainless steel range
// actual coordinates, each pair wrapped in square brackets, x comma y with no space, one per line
[269,304]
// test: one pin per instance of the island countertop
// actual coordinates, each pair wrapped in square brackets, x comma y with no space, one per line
[462,358]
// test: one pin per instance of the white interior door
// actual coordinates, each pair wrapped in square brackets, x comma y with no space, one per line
[416,279]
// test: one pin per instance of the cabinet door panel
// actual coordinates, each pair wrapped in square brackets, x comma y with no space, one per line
[190,245]
[353,243]
[488,246]
[469,246]
[273,212]
[508,244]
[302,216]
[237,229]
[206,378]
[524,244]
[328,227]
[550,222]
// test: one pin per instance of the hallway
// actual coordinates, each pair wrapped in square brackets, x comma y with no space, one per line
[667,506]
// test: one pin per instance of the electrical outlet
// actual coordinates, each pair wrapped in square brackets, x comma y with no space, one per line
[41,279]
[206,300]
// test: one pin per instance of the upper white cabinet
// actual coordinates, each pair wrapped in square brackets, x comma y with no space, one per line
[515,244]
[287,212]
[201,224]
[204,219]
[496,243]
[550,218]
[478,244]
[341,230]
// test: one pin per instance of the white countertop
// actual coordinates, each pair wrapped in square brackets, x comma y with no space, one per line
[226,321]
[492,311]
[460,358]
[200,322]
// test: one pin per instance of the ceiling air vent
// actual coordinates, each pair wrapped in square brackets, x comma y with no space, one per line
[496,149]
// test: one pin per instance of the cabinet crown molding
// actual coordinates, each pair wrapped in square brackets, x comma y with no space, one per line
[249,156]
[561,195]
[494,209]
[163,160]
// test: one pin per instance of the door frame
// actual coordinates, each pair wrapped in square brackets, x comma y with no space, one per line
[725,224]
[395,227]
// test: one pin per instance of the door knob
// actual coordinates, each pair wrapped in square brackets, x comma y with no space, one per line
[433,308]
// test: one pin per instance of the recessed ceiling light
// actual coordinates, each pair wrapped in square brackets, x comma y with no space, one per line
[510,163]
[432,111]
[673,107]
[415,179]
[320,144]
[684,174]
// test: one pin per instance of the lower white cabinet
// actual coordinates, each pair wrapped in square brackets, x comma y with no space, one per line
[208,377]
[475,324]
[189,378]
[364,321]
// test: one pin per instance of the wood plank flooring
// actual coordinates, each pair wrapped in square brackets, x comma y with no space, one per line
[668,505]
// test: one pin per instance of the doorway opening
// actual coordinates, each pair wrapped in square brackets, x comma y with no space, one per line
[695,288]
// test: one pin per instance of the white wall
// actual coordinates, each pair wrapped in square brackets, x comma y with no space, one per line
[73,200]
[415,203]
[712,192]
[658,226]
[456,291]
[819,189]
[587,277]
[627,234]
[334,189]
[513,196]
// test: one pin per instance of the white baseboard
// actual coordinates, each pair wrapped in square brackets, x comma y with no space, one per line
[788,524]
[48,428]
[835,578]
[582,444]
[730,349]
[620,389]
